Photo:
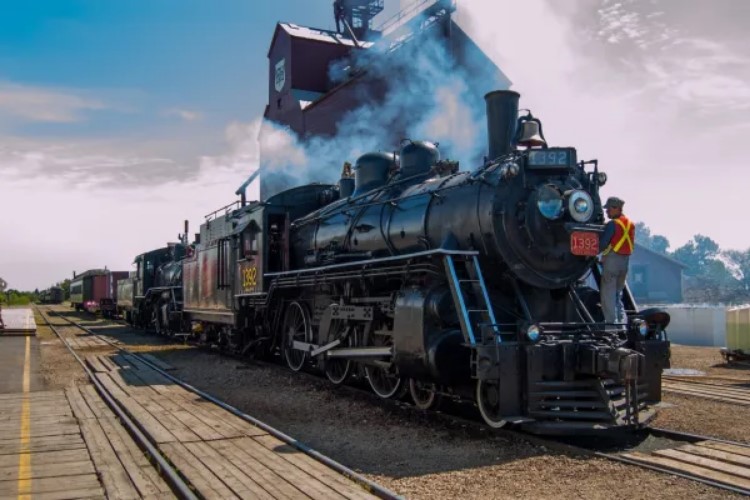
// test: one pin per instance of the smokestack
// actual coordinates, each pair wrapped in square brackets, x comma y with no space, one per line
[502,115]
[241,191]
[185,234]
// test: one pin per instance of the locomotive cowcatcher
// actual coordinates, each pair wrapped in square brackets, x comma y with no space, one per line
[468,284]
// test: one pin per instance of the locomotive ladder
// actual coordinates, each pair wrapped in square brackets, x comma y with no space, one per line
[470,297]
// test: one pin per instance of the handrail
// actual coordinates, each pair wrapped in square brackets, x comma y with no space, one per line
[394,21]
[225,208]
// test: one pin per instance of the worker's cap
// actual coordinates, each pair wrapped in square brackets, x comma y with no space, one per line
[614,202]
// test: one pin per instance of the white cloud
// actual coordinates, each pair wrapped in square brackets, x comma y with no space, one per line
[39,104]
[51,228]
[670,63]
[85,164]
[184,114]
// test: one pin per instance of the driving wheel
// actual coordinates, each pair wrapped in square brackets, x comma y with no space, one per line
[296,327]
[424,394]
[338,369]
[488,400]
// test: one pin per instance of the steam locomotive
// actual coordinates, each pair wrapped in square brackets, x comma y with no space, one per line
[52,295]
[421,277]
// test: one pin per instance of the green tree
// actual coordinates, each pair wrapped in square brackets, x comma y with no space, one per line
[655,242]
[16,298]
[739,262]
[710,276]
[697,254]
[65,285]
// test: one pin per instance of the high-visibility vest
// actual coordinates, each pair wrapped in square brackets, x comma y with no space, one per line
[623,240]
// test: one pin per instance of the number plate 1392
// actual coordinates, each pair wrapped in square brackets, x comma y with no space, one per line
[584,243]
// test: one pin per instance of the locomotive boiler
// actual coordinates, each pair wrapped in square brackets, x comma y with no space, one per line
[422,278]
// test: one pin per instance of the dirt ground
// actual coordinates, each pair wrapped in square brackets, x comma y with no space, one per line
[709,360]
[703,416]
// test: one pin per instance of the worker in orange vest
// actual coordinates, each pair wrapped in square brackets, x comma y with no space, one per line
[616,245]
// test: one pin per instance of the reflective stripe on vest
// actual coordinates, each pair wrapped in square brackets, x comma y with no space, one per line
[628,235]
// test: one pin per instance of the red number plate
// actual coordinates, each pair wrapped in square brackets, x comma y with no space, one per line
[584,243]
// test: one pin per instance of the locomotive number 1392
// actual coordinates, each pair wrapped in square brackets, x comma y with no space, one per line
[249,277]
[584,243]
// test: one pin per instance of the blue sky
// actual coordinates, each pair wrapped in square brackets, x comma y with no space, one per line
[147,59]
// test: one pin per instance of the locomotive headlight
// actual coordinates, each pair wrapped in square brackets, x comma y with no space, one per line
[601,178]
[533,333]
[550,209]
[549,202]
[580,206]
[642,327]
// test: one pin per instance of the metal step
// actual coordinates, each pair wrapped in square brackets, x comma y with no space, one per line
[462,297]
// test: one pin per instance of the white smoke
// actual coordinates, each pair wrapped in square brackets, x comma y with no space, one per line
[427,95]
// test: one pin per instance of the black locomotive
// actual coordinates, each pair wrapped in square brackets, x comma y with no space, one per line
[463,283]
[52,295]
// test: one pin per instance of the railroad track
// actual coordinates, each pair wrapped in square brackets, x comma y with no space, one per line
[715,462]
[177,479]
[170,474]
[734,394]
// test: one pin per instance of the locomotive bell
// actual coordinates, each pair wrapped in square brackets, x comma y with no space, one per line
[531,134]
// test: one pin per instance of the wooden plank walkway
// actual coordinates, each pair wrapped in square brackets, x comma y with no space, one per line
[18,322]
[68,444]
[220,454]
[739,395]
[723,463]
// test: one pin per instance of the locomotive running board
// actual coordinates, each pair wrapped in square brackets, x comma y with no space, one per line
[373,262]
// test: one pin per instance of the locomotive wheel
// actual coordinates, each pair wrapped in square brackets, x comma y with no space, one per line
[155,320]
[296,327]
[337,369]
[488,400]
[424,395]
[383,383]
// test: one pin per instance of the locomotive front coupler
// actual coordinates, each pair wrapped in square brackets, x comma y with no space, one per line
[620,363]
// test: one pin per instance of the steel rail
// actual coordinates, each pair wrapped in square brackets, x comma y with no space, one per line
[370,486]
[173,477]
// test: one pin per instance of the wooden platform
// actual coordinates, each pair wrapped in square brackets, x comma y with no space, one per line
[18,322]
[735,394]
[67,444]
[79,338]
[220,454]
[722,463]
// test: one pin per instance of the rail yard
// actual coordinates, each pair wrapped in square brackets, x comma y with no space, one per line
[413,293]
[407,451]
